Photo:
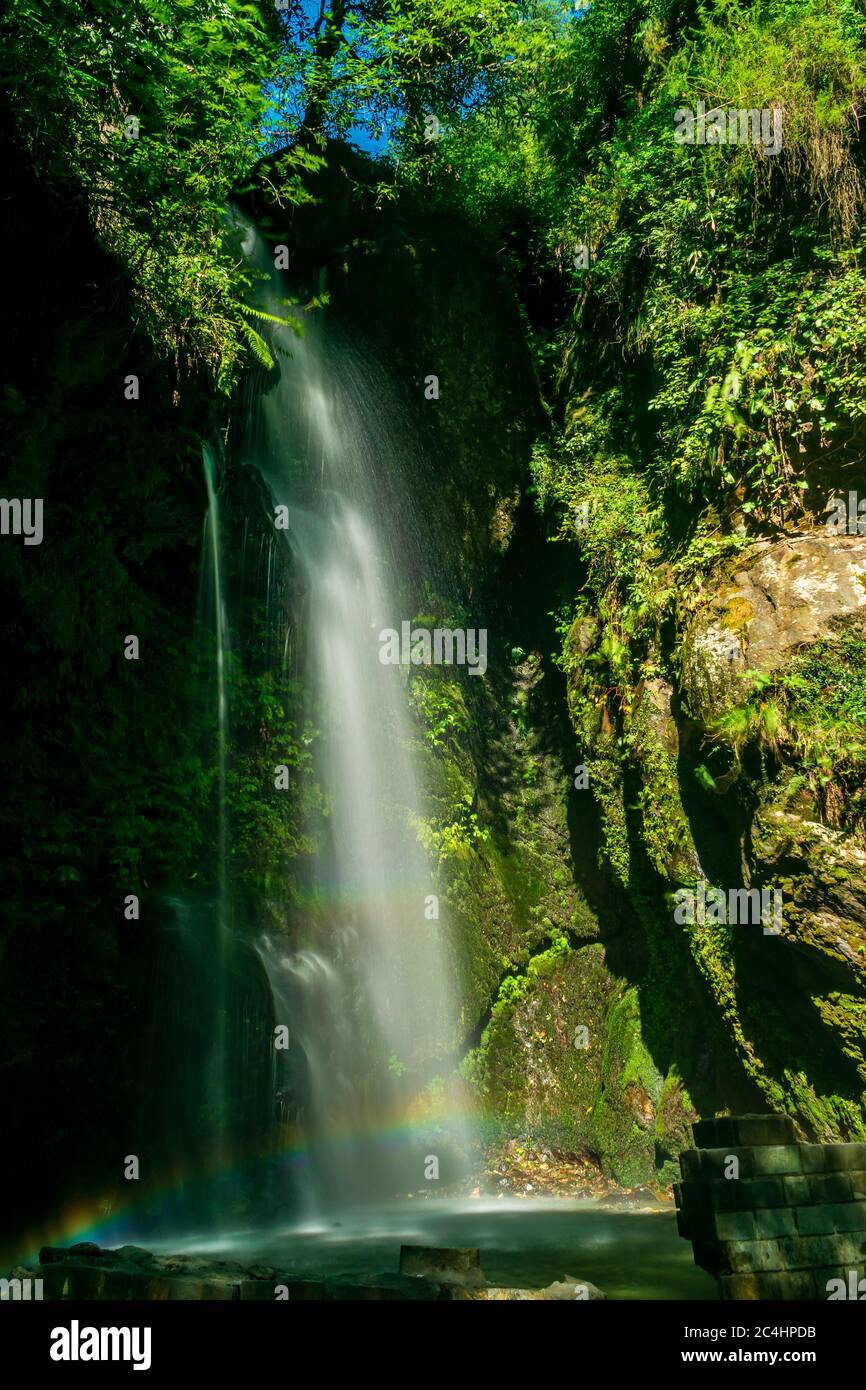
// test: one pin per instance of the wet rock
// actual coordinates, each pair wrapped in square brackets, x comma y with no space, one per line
[87,1272]
[572,1289]
[569,1290]
[134,1254]
[442,1266]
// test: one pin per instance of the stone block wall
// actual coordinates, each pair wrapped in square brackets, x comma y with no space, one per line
[770,1217]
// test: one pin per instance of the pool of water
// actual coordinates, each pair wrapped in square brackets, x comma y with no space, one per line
[628,1254]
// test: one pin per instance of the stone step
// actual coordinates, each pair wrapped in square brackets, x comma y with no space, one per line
[704,1224]
[753,1194]
[769,1160]
[742,1131]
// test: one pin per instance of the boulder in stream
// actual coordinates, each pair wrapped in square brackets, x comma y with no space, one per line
[443,1266]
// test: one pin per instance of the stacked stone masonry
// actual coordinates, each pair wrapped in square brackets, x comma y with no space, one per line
[783,1220]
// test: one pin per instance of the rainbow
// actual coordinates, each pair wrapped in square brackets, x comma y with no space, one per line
[114,1219]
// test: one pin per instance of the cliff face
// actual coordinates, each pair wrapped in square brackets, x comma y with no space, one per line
[793,610]
[735,764]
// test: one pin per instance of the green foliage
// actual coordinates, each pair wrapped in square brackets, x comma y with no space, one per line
[191,75]
[439,703]
[611,637]
[456,837]
[384,65]
[812,715]
[725,379]
[515,987]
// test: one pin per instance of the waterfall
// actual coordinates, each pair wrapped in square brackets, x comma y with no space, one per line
[363,982]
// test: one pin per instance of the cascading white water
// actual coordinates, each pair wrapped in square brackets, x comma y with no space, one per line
[368,992]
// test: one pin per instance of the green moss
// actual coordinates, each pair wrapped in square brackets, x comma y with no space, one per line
[606,781]
[846,1015]
[664,828]
[624,1114]
[531,1073]
[737,613]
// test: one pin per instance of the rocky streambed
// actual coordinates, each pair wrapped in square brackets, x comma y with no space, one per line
[85,1271]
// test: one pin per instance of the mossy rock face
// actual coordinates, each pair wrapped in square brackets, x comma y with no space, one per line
[606,780]
[822,877]
[641,1118]
[497,823]
[781,595]
[652,720]
[624,1118]
[535,1069]
[675,1115]
[654,744]
[563,1061]
[789,1007]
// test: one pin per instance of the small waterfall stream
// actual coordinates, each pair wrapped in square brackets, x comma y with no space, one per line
[213,601]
